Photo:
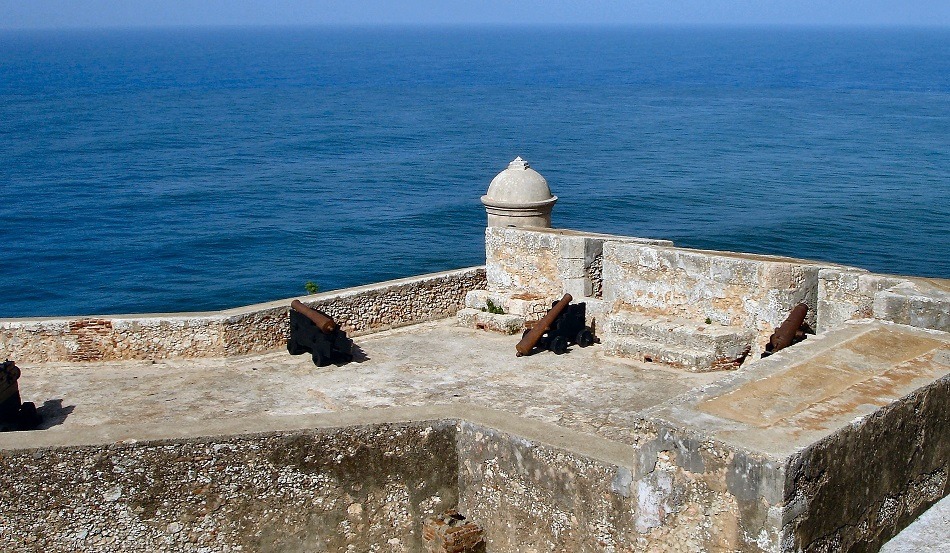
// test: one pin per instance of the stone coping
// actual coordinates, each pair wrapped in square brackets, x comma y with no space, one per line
[589,234]
[551,435]
[742,255]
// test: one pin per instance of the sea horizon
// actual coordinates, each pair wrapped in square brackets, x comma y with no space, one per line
[225,166]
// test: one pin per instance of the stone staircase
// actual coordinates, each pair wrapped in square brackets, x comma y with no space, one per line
[680,343]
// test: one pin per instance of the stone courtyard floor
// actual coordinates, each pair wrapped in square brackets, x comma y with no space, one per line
[424,365]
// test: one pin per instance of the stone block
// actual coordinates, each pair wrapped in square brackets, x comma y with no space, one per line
[531,307]
[573,247]
[571,268]
[483,320]
[914,305]
[578,287]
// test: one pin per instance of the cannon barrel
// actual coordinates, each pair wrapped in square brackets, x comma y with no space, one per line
[322,320]
[784,335]
[531,338]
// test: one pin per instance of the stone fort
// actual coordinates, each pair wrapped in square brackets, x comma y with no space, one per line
[199,432]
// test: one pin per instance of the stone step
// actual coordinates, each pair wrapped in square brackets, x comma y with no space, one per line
[476,318]
[649,351]
[720,340]
[528,306]
[677,342]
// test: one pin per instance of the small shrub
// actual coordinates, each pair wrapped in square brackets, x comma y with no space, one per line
[492,308]
[311,287]
[708,321]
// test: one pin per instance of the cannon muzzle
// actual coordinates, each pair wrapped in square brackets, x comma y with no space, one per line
[323,321]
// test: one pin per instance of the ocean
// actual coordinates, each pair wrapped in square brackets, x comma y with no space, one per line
[200,169]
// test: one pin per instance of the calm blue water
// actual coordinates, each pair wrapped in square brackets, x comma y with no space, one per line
[203,169]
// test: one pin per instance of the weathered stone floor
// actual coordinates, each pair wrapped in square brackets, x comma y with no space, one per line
[428,364]
[438,364]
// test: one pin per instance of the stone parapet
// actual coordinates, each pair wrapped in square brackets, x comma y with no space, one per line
[343,489]
[848,294]
[752,292]
[238,331]
[548,262]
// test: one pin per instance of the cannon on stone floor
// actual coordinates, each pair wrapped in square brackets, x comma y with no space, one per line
[315,332]
[564,324]
[790,332]
[13,414]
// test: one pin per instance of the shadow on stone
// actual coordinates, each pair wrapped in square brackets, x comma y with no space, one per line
[53,413]
[359,356]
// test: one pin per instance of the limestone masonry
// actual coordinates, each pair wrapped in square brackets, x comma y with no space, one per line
[198,432]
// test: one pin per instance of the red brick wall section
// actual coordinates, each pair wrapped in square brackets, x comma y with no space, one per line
[450,532]
[93,337]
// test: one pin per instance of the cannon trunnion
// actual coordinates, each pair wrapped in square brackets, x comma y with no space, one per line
[316,333]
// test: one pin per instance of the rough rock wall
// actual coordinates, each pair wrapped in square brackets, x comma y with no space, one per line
[749,291]
[360,489]
[859,487]
[673,495]
[548,262]
[238,331]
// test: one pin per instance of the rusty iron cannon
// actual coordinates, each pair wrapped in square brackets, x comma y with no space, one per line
[562,325]
[13,414]
[790,332]
[315,332]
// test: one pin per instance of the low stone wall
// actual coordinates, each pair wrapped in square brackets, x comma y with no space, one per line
[243,330]
[361,488]
[859,487]
[848,294]
[753,292]
[532,487]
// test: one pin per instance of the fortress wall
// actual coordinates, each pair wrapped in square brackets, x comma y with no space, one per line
[754,292]
[355,488]
[860,486]
[669,494]
[846,294]
[251,329]
[548,262]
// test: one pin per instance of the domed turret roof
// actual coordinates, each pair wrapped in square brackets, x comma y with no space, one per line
[519,184]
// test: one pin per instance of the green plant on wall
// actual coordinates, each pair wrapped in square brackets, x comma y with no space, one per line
[311,287]
[492,308]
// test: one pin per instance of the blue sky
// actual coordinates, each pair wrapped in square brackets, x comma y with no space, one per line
[20,14]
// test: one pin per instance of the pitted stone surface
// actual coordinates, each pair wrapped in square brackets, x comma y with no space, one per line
[431,363]
[548,434]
